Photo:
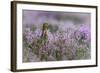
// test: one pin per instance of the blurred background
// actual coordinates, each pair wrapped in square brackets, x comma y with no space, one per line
[61,19]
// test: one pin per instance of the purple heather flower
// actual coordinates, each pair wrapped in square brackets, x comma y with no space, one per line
[83,33]
[62,51]
[29,35]
[85,30]
[77,35]
[37,33]
[50,37]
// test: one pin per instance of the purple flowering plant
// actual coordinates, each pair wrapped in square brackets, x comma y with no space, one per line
[55,40]
[71,45]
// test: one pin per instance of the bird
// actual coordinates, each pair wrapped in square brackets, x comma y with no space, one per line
[44,35]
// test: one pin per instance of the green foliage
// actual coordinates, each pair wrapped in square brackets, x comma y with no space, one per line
[53,28]
[33,28]
[80,53]
[58,55]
